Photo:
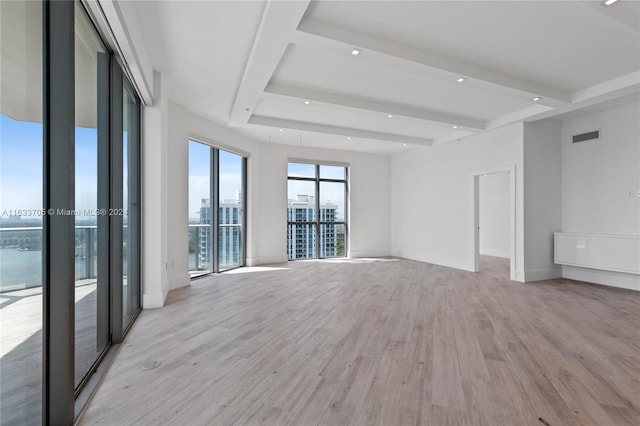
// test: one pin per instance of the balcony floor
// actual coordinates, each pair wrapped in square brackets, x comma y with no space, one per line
[21,348]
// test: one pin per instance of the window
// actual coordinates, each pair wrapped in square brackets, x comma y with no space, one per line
[70,204]
[216,230]
[316,211]
[21,199]
[91,329]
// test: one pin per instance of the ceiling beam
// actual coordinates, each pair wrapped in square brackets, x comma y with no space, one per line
[314,33]
[279,21]
[451,137]
[520,115]
[598,93]
[336,130]
[607,90]
[438,118]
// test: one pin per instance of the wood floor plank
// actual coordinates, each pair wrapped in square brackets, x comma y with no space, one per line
[379,342]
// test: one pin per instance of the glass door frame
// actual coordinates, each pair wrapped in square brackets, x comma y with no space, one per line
[214,208]
[62,401]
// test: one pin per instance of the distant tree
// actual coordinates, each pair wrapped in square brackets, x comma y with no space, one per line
[192,241]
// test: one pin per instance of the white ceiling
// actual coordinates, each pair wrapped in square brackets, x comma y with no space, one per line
[251,65]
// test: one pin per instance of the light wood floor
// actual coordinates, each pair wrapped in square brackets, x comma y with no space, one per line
[382,341]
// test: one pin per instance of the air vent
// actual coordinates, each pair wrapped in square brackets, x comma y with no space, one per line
[589,136]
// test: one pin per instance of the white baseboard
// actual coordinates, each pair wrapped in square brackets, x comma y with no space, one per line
[465,265]
[367,253]
[495,253]
[542,274]
[266,260]
[153,300]
[520,275]
[612,279]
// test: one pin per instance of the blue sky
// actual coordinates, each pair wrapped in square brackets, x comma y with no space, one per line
[329,192]
[20,164]
[21,170]
[21,178]
[199,172]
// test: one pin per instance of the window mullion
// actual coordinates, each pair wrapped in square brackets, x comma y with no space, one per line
[59,229]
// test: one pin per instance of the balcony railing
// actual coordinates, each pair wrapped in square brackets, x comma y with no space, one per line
[21,256]
[200,247]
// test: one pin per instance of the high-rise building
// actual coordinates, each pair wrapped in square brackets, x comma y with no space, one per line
[301,241]
[204,240]
[229,223]
[230,220]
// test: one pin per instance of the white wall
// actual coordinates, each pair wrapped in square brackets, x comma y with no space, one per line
[432,197]
[542,198]
[601,178]
[155,139]
[600,183]
[369,212]
[494,214]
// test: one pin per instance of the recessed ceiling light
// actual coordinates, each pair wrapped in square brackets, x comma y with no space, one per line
[404,144]
[282,130]
[536,99]
[609,2]
[307,102]
[455,127]
[461,79]
[389,116]
[355,52]
[348,138]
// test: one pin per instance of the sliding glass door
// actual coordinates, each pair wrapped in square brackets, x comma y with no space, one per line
[21,208]
[216,209]
[91,289]
[130,211]
[230,210]
[70,205]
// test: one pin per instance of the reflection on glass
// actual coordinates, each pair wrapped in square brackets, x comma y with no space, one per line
[301,170]
[90,339]
[130,204]
[199,209]
[21,183]
[230,211]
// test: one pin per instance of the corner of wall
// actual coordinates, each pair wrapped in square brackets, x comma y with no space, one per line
[542,197]
[178,281]
[542,274]
[154,300]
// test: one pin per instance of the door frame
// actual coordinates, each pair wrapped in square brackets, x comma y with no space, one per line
[511,170]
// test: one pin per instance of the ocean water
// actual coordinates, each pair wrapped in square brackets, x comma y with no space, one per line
[23,269]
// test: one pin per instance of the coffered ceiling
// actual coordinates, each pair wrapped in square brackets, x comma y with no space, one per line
[425,73]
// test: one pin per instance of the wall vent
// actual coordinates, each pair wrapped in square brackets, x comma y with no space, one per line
[588,136]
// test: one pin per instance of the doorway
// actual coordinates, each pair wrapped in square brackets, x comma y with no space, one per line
[494,216]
